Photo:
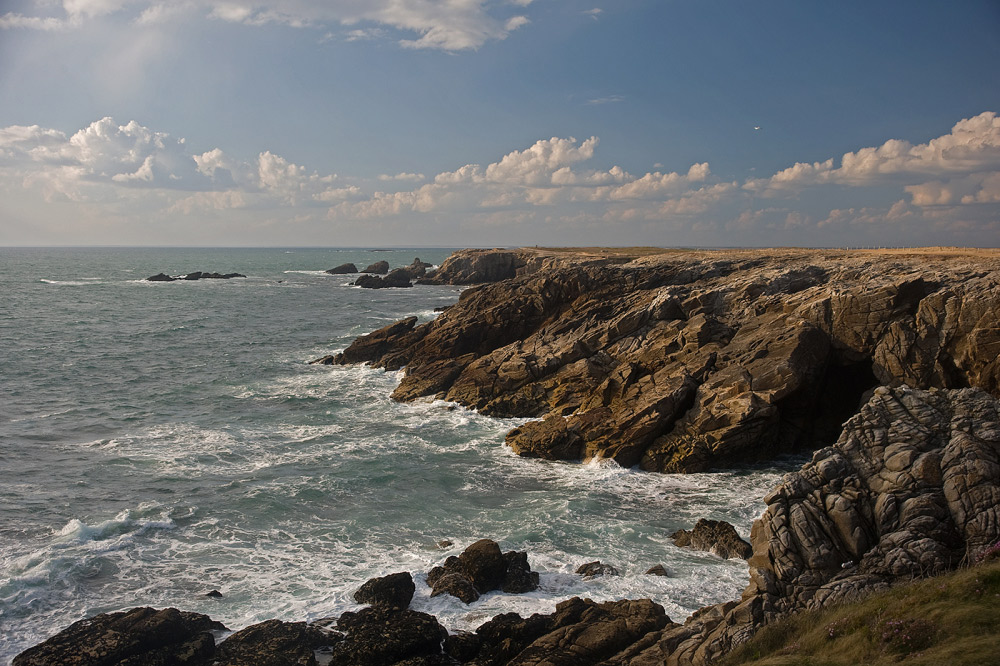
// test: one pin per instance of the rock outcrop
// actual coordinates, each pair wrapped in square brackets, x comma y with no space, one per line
[715,536]
[378,268]
[692,361]
[482,568]
[911,489]
[137,636]
[395,590]
[343,269]
[399,277]
[197,275]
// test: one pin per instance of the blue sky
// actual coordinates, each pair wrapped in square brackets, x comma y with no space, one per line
[503,122]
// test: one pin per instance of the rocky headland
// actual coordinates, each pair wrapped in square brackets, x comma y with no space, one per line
[884,364]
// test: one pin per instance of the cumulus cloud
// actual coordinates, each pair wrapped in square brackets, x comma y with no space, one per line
[402,176]
[95,160]
[973,145]
[542,175]
[454,25]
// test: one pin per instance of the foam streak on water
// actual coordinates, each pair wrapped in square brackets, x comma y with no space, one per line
[161,440]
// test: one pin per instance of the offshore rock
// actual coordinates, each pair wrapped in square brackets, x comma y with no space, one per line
[378,268]
[197,275]
[691,361]
[395,590]
[482,568]
[596,568]
[399,277]
[343,269]
[129,638]
[716,536]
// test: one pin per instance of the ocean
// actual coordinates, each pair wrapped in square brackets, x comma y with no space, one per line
[162,440]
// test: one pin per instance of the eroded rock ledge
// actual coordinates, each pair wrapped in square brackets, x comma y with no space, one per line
[688,361]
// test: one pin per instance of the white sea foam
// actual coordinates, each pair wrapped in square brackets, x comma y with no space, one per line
[70,283]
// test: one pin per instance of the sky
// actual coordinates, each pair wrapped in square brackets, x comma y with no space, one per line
[461,123]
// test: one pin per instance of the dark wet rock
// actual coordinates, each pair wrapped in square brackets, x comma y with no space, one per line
[343,269]
[198,275]
[418,269]
[395,590]
[657,570]
[372,344]
[274,643]
[378,268]
[381,635]
[482,568]
[596,568]
[215,594]
[452,582]
[399,277]
[715,536]
[160,277]
[462,646]
[579,633]
[141,636]
[444,544]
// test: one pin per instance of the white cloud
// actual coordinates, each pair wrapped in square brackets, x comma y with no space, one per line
[610,99]
[402,176]
[452,25]
[972,145]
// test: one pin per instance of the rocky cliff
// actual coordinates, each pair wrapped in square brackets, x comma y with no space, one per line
[687,361]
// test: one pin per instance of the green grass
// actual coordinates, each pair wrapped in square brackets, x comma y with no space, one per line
[952,619]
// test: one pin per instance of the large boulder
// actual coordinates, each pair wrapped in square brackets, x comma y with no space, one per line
[343,269]
[715,536]
[129,638]
[482,568]
[381,636]
[274,643]
[378,268]
[395,590]
[579,633]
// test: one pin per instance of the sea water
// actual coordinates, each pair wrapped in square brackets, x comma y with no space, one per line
[162,440]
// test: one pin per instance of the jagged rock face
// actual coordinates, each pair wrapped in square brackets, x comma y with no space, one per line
[378,268]
[129,638]
[688,362]
[911,489]
[380,636]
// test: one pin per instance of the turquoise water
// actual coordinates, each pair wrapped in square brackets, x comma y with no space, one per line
[160,440]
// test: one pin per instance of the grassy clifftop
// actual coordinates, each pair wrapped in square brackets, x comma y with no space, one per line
[952,619]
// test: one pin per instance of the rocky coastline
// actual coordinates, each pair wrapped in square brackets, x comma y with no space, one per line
[884,364]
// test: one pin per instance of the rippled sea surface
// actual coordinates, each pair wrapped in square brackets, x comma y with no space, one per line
[161,440]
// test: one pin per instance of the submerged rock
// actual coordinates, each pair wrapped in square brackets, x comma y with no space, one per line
[197,275]
[596,568]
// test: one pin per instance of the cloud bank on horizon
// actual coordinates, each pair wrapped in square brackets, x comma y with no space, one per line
[105,181]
